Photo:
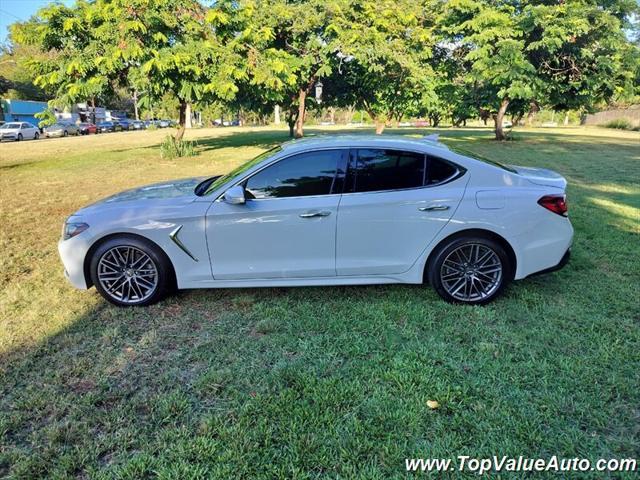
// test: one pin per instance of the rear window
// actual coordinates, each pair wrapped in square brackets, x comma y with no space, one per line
[388,170]
[377,170]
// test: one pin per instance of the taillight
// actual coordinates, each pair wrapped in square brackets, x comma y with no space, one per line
[555,203]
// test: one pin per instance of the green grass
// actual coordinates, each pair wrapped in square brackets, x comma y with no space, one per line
[312,382]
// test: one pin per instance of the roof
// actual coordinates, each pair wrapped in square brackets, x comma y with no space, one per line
[383,141]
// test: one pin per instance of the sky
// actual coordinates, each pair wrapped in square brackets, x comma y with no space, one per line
[19,10]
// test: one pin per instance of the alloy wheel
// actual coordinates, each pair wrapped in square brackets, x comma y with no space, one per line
[127,274]
[471,272]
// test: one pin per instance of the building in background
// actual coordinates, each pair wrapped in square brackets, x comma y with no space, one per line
[21,110]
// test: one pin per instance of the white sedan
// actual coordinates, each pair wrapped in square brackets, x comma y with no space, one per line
[346,210]
[18,131]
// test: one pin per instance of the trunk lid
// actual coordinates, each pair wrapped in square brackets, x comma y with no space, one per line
[541,176]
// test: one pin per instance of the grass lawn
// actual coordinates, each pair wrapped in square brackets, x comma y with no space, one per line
[312,382]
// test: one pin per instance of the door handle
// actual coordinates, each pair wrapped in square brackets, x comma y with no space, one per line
[324,213]
[434,208]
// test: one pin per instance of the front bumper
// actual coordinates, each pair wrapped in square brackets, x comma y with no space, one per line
[8,136]
[72,253]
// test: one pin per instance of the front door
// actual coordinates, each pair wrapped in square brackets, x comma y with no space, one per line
[286,228]
[394,204]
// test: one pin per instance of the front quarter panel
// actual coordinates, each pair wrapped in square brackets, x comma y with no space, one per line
[155,223]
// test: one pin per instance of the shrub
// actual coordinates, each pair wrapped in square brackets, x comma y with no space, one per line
[172,148]
[619,123]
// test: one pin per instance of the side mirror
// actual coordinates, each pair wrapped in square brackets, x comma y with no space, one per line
[235,195]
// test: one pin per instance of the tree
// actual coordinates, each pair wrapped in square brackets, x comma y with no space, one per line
[566,54]
[386,47]
[14,70]
[152,47]
[289,46]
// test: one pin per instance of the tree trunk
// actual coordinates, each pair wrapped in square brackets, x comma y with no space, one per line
[566,119]
[187,117]
[517,119]
[181,121]
[379,122]
[135,104]
[533,109]
[302,97]
[276,114]
[291,120]
[499,118]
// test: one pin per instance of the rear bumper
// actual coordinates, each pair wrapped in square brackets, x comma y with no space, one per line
[563,261]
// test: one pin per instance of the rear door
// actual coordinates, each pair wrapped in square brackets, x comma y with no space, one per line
[394,203]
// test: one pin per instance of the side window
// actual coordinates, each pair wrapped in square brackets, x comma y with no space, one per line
[302,175]
[378,169]
[439,171]
[24,125]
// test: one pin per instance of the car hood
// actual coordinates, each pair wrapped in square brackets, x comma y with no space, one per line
[9,130]
[156,194]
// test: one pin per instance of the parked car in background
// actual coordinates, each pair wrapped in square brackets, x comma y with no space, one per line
[104,127]
[124,123]
[164,123]
[87,128]
[17,131]
[327,211]
[61,129]
[138,125]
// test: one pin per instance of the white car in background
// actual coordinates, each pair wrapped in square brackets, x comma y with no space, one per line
[18,131]
[346,210]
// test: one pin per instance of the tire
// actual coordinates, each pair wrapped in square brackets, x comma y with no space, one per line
[470,270]
[65,133]
[19,137]
[129,271]
[36,136]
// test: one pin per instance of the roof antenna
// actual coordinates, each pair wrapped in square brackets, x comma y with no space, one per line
[431,138]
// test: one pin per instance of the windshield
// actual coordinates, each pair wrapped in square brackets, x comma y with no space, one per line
[475,156]
[239,170]
[11,125]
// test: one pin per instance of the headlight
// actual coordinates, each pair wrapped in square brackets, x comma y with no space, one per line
[71,229]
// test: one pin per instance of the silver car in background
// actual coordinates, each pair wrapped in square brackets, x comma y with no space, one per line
[61,129]
[18,131]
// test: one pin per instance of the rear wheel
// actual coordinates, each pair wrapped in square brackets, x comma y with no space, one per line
[471,270]
[36,136]
[129,271]
[65,133]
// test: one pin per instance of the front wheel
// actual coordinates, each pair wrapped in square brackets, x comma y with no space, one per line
[129,271]
[65,133]
[471,270]
[19,137]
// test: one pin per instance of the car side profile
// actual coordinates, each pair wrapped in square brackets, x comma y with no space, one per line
[346,210]
[86,128]
[18,131]
[108,126]
[62,129]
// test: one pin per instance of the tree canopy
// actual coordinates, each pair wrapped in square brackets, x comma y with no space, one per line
[457,59]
